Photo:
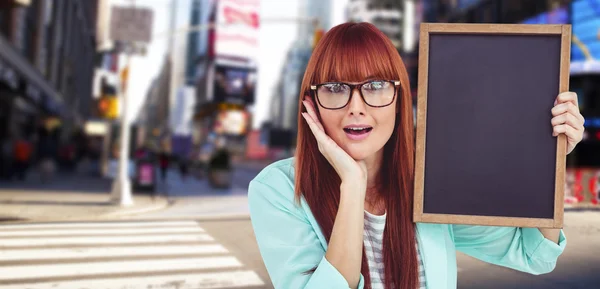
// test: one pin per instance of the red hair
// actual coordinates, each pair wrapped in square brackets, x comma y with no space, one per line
[354,52]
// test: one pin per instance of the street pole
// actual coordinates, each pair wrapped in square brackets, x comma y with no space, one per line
[122,185]
[121,192]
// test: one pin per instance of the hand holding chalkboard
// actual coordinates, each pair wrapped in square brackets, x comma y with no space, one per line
[568,119]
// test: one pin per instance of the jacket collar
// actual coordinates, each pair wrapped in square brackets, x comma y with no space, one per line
[431,239]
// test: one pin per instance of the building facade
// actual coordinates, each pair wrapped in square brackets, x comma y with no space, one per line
[47,57]
[387,16]
[222,66]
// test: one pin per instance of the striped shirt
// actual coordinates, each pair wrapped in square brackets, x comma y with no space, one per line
[373,240]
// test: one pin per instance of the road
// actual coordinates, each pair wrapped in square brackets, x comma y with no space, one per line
[223,254]
[139,254]
[577,268]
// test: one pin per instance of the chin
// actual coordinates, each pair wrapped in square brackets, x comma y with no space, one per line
[359,152]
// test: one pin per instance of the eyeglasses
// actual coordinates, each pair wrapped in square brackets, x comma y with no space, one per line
[375,93]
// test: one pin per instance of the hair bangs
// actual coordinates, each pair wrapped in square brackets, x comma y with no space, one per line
[356,54]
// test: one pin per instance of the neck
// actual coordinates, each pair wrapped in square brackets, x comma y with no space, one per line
[374,202]
[373,163]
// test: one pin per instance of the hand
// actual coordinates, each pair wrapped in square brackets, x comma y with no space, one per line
[567,119]
[346,167]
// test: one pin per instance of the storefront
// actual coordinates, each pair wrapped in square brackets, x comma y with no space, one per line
[26,98]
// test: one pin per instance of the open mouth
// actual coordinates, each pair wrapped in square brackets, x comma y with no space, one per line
[357,130]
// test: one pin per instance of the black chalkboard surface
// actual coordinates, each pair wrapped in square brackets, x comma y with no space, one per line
[485,154]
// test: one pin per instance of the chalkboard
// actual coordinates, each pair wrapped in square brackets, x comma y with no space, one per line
[485,154]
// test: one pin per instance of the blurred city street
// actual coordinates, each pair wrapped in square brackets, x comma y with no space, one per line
[131,129]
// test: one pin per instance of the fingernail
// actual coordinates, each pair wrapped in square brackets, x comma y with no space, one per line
[555,101]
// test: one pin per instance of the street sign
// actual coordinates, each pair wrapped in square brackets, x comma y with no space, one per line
[131,48]
[130,24]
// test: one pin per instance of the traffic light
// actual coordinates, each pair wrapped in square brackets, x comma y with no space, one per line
[109,106]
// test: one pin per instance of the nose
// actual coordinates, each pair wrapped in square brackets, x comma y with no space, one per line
[356,106]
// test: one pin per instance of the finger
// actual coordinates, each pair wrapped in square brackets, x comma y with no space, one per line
[570,108]
[316,130]
[571,132]
[568,119]
[567,107]
[568,96]
[308,104]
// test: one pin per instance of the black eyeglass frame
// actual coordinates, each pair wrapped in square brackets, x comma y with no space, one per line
[396,83]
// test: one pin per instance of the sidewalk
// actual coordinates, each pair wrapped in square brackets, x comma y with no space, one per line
[195,199]
[68,196]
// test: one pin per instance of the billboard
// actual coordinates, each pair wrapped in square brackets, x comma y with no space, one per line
[236,35]
[557,16]
[586,31]
[235,85]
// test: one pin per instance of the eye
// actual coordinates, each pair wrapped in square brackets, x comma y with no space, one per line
[335,87]
[375,85]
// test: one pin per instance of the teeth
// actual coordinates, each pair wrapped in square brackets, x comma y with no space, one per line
[357,128]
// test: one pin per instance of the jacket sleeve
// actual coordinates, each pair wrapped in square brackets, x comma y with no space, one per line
[522,249]
[288,243]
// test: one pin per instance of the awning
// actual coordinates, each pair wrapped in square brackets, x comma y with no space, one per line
[37,88]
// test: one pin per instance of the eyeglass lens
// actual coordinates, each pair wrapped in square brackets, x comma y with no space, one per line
[337,95]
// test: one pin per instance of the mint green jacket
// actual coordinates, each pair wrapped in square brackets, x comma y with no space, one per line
[291,242]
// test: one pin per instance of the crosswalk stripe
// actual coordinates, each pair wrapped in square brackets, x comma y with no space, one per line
[231,279]
[14,273]
[125,252]
[66,241]
[101,232]
[90,225]
[106,255]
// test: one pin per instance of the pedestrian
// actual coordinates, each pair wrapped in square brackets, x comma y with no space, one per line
[338,214]
[22,156]
[163,161]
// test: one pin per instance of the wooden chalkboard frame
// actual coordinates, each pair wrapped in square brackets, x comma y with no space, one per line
[493,29]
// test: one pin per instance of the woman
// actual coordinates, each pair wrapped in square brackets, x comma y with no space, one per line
[339,215]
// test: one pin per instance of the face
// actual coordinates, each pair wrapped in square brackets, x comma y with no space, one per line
[359,129]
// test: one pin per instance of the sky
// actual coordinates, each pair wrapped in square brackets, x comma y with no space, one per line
[275,40]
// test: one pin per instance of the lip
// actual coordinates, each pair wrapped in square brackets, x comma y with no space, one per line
[357,126]
[358,137]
